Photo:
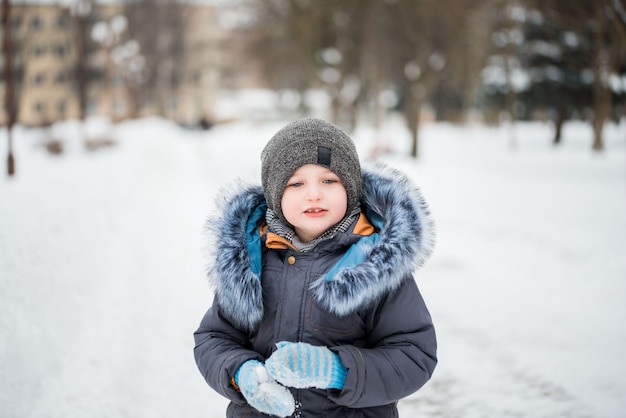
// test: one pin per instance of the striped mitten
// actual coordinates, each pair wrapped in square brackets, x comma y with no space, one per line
[302,365]
[262,392]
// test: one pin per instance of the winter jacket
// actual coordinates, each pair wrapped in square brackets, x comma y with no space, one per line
[353,293]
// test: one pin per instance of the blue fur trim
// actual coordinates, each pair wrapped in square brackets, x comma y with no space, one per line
[355,255]
[374,267]
[406,241]
[237,285]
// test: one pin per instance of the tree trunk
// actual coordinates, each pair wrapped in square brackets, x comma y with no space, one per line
[335,107]
[81,68]
[559,118]
[598,129]
[8,79]
[601,93]
[511,97]
[412,115]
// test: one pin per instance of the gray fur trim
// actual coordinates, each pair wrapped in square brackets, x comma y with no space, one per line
[407,240]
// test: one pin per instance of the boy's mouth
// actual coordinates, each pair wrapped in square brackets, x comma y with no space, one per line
[314,211]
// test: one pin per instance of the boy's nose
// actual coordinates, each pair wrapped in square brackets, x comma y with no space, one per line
[313,193]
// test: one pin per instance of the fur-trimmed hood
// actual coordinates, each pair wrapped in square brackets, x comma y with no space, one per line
[373,267]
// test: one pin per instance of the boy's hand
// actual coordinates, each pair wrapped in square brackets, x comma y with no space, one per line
[262,392]
[302,365]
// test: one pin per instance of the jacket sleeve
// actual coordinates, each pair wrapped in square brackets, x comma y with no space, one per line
[400,357]
[220,349]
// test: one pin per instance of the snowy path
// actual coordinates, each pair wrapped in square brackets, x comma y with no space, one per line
[102,274]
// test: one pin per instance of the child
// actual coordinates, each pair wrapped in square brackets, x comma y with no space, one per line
[316,312]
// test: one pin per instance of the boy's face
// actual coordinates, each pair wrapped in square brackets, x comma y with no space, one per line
[313,201]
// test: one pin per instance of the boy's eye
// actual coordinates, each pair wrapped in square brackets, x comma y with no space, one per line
[329,181]
[295,184]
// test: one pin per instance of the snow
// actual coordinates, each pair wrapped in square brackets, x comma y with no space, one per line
[102,267]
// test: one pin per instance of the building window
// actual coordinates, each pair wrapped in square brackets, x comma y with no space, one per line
[40,107]
[38,79]
[35,23]
[62,108]
[38,50]
[61,77]
[60,50]
[61,21]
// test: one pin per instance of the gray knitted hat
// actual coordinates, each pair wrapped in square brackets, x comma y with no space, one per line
[309,141]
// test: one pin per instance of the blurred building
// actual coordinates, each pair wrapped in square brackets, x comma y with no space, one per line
[138,61]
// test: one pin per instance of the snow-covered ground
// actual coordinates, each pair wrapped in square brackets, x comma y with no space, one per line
[102,278]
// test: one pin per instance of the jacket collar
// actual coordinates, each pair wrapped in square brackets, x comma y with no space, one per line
[376,265]
[361,226]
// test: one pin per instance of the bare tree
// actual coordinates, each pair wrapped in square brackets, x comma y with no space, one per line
[80,11]
[354,49]
[427,44]
[282,39]
[609,40]
[159,29]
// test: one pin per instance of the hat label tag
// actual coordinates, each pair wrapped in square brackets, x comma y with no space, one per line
[323,156]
